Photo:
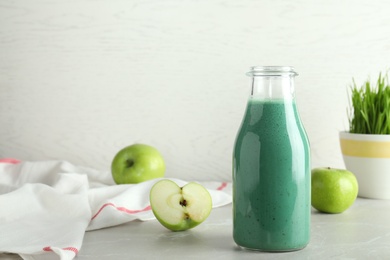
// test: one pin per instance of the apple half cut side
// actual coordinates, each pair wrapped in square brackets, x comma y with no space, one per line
[180,208]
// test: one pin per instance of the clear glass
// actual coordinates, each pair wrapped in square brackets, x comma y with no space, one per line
[271,167]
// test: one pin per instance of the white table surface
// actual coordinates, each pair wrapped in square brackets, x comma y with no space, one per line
[361,232]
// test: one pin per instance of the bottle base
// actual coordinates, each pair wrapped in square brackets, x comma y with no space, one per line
[268,250]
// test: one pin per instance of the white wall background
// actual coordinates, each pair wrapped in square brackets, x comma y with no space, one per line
[81,79]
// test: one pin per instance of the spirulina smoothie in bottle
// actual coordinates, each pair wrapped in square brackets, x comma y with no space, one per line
[271,167]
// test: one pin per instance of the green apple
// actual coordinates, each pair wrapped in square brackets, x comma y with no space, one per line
[333,190]
[137,163]
[180,208]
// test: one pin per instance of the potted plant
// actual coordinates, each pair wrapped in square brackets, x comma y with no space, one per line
[366,146]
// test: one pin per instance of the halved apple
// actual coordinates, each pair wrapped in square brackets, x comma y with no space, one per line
[180,208]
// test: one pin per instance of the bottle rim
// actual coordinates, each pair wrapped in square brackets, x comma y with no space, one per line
[271,71]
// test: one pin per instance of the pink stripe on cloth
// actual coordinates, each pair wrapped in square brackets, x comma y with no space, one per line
[123,209]
[73,249]
[223,186]
[9,160]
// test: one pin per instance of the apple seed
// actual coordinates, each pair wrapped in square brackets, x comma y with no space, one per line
[183,203]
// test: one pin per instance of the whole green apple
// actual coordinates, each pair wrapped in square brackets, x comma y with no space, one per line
[180,208]
[333,190]
[137,163]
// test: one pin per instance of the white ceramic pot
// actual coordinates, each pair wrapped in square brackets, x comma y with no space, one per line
[368,157]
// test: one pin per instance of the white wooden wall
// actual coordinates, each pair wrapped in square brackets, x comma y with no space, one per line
[80,79]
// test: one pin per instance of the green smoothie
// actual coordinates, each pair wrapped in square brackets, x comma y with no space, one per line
[271,178]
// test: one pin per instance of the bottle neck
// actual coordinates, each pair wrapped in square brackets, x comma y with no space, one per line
[273,87]
[272,82]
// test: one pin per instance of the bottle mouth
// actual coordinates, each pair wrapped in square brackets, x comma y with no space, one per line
[271,71]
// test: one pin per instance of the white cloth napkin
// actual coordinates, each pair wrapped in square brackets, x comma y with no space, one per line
[46,206]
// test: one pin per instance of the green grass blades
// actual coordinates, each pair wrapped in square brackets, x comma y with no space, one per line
[370,112]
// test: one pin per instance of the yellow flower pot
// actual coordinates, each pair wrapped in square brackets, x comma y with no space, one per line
[368,157]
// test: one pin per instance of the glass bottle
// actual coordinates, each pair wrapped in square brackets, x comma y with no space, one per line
[271,167]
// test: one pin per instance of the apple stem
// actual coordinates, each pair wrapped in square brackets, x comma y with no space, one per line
[129,163]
